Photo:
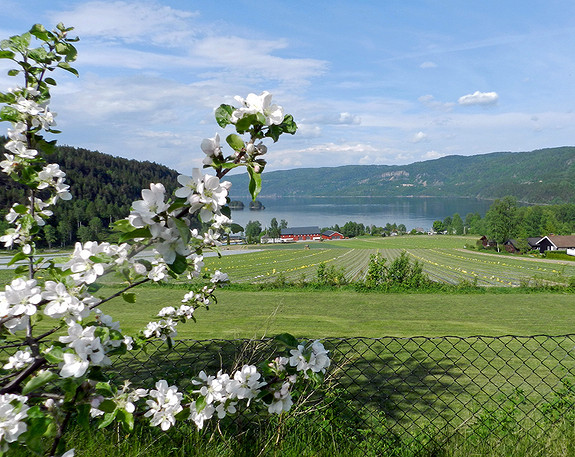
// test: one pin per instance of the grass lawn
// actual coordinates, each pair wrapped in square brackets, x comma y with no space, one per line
[316,314]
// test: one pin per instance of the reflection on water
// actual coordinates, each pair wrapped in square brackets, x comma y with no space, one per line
[328,211]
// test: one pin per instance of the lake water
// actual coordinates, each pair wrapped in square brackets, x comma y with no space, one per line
[328,211]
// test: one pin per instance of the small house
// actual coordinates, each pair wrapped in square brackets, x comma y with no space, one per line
[557,242]
[487,243]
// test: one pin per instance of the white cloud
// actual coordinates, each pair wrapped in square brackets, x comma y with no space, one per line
[150,36]
[335,147]
[132,22]
[347,118]
[429,155]
[308,130]
[239,53]
[335,118]
[479,98]
[430,102]
[428,64]
[419,137]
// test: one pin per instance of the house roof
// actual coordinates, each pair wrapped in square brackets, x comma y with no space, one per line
[560,241]
[331,233]
[532,241]
[301,231]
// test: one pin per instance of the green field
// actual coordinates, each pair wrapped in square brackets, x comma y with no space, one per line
[341,313]
[316,314]
[443,259]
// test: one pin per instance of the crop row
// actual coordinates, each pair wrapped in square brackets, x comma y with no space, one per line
[442,265]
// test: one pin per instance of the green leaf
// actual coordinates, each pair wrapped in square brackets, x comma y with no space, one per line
[68,50]
[13,72]
[288,339]
[39,55]
[143,232]
[126,419]
[200,404]
[19,256]
[7,55]
[129,297]
[108,419]
[107,406]
[183,415]
[123,225]
[245,123]
[288,125]
[226,211]
[8,113]
[20,209]
[105,389]
[255,185]
[223,115]
[261,118]
[228,165]
[183,229]
[50,81]
[97,374]
[180,264]
[48,147]
[178,203]
[274,132]
[66,66]
[43,377]
[54,355]
[40,32]
[236,228]
[235,142]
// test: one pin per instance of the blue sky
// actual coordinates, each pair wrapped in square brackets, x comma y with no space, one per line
[368,82]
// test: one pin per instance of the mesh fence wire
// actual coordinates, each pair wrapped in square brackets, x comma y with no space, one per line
[391,393]
[395,391]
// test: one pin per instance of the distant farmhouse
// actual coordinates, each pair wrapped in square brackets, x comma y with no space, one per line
[546,243]
[308,234]
[557,242]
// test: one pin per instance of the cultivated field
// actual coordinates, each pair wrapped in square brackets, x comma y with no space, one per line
[443,259]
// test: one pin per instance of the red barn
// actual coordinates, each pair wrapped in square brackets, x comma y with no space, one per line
[332,235]
[300,234]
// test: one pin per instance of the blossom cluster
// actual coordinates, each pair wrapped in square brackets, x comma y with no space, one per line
[220,395]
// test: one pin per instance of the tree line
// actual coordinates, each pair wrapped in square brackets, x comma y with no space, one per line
[103,189]
[506,219]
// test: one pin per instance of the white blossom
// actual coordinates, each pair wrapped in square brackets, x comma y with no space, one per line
[9,164]
[199,417]
[282,399]
[254,104]
[83,267]
[144,211]
[13,411]
[19,360]
[246,383]
[211,147]
[164,406]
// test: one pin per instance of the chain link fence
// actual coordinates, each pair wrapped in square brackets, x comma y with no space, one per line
[417,393]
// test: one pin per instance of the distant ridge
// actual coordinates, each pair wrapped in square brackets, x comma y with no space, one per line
[540,176]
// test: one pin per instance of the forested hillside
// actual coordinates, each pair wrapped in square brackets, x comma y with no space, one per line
[541,176]
[103,188]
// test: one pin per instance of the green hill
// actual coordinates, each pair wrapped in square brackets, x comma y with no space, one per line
[541,176]
[103,189]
